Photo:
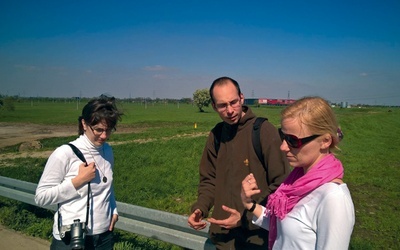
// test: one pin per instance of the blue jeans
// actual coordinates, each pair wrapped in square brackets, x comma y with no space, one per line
[103,241]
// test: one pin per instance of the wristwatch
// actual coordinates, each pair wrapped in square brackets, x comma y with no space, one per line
[252,207]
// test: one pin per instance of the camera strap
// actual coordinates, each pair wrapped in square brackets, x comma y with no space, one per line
[82,158]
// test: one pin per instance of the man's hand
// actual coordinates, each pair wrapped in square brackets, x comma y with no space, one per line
[231,222]
[196,221]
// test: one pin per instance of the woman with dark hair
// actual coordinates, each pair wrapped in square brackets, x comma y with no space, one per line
[83,190]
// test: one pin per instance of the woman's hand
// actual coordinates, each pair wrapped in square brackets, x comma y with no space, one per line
[249,188]
[114,220]
[85,174]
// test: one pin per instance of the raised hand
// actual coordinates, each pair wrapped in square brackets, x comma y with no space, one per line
[249,188]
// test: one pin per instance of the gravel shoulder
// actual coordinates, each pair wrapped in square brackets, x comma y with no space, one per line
[11,239]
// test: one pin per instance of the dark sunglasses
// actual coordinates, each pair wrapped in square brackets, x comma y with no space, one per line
[295,142]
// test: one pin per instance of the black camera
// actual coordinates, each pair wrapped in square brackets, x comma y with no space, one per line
[74,234]
[77,235]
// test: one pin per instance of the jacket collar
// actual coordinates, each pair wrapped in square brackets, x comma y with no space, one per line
[249,115]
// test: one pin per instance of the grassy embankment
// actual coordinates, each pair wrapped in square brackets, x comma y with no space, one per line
[157,167]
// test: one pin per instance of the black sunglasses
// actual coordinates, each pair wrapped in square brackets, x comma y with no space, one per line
[295,142]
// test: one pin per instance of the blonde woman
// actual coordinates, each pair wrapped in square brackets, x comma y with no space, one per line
[312,208]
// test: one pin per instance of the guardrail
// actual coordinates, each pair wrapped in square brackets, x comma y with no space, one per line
[148,222]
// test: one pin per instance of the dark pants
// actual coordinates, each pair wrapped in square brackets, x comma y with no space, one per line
[241,239]
[103,241]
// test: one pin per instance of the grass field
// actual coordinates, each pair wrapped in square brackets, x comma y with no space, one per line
[161,171]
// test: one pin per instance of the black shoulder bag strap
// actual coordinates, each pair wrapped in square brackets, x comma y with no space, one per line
[77,152]
[217,131]
[256,139]
[82,158]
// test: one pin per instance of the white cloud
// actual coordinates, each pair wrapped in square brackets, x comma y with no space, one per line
[156,68]
[160,76]
[27,67]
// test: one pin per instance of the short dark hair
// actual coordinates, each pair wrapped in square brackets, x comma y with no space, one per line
[100,109]
[221,81]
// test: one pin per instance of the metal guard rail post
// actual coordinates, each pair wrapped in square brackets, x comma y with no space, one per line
[148,222]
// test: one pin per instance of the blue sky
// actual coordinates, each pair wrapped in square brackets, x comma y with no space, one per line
[340,50]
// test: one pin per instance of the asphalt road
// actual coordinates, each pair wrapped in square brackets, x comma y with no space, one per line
[10,239]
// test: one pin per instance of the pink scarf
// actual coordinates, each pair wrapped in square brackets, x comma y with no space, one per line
[296,186]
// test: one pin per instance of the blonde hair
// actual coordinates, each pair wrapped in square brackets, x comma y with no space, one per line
[315,113]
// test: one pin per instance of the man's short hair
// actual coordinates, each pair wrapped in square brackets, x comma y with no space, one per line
[221,81]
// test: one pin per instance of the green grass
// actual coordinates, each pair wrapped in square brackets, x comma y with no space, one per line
[370,156]
[163,174]
[161,171]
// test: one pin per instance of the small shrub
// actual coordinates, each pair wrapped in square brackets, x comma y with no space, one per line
[124,246]
[41,228]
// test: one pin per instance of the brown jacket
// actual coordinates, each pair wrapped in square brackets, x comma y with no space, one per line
[221,174]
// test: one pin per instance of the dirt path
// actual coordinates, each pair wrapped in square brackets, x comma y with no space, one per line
[10,239]
[16,133]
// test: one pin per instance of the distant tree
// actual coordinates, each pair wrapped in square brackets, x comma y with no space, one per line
[8,103]
[186,100]
[201,98]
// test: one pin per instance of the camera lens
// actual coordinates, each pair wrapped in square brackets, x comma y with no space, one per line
[77,240]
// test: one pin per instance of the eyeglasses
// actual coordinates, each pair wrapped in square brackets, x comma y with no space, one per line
[223,106]
[99,131]
[295,142]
